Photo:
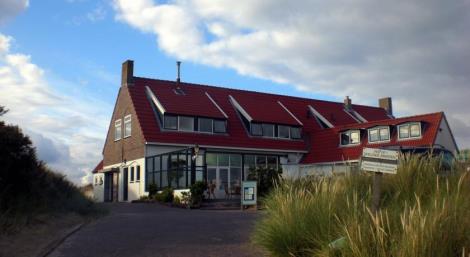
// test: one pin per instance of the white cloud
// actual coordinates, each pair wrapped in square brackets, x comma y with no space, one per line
[10,8]
[67,129]
[415,51]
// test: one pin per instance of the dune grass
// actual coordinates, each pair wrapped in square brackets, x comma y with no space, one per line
[424,212]
[28,188]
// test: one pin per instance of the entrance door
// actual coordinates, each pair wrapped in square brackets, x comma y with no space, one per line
[125,178]
[108,187]
[219,177]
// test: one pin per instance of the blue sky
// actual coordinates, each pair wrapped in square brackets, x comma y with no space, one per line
[60,61]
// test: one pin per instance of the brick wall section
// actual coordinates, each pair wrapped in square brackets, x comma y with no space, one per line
[129,148]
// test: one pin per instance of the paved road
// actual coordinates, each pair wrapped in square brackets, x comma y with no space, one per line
[154,230]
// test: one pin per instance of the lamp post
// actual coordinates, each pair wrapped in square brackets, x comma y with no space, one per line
[195,153]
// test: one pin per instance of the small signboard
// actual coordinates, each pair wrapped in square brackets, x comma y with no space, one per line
[379,160]
[249,191]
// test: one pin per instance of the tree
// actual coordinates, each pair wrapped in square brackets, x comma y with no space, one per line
[3,110]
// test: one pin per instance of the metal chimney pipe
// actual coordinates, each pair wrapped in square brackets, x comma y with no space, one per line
[178,65]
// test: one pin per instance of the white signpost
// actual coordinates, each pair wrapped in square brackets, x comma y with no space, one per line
[379,161]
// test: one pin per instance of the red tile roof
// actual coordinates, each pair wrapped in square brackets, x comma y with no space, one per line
[237,138]
[326,147]
[194,102]
[321,144]
[264,109]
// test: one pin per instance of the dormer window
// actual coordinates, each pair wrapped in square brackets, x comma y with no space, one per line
[220,126]
[283,131]
[295,133]
[186,123]
[379,134]
[127,126]
[268,130]
[350,137]
[256,129]
[117,129]
[205,125]
[194,124]
[409,130]
[170,122]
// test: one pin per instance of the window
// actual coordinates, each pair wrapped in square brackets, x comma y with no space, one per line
[415,130]
[219,126]
[272,162]
[256,129]
[351,137]
[211,159]
[117,129]
[137,174]
[127,126]
[170,122]
[409,130]
[261,161]
[374,135]
[404,131]
[283,131]
[132,174]
[205,125]
[186,123]
[384,134]
[268,130]
[379,134]
[295,133]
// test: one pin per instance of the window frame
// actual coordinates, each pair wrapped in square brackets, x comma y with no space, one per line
[409,137]
[131,177]
[264,126]
[300,132]
[127,120]
[261,129]
[185,117]
[279,131]
[137,173]
[379,136]
[214,127]
[116,126]
[211,126]
[349,133]
[165,123]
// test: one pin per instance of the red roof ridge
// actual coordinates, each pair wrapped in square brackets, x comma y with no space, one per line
[252,91]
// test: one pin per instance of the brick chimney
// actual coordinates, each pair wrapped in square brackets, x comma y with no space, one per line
[127,76]
[386,104]
[347,103]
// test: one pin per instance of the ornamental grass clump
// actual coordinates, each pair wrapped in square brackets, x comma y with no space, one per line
[423,213]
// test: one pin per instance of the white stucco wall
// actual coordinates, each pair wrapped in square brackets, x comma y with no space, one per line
[136,189]
[444,137]
[98,187]
[329,169]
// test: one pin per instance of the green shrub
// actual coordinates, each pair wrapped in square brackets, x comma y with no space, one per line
[266,178]
[423,214]
[197,192]
[165,196]
[176,200]
[153,189]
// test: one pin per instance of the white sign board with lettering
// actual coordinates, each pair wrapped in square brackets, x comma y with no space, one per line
[379,160]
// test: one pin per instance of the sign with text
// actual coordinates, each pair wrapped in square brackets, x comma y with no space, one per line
[249,192]
[379,160]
